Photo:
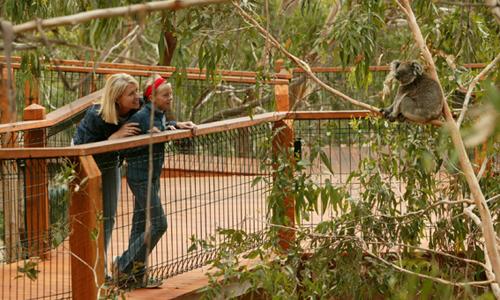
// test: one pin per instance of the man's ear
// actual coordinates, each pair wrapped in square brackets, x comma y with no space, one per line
[417,68]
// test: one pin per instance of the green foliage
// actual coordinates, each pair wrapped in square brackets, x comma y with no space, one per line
[29,270]
[59,193]
[398,208]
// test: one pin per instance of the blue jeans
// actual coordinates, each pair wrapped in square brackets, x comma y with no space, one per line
[111,185]
[134,258]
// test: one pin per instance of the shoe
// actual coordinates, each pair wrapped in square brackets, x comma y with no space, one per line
[115,270]
[151,283]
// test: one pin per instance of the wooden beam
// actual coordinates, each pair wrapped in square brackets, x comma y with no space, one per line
[283,140]
[87,232]
[36,185]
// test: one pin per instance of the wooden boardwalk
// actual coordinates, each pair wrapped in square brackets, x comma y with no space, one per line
[192,210]
[196,204]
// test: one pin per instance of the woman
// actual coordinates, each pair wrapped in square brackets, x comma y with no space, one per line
[107,121]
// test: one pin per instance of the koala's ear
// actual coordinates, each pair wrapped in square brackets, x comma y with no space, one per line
[395,64]
[417,68]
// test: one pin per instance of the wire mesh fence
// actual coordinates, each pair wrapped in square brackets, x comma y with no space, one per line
[34,253]
[206,184]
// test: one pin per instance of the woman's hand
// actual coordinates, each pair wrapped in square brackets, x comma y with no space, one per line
[128,129]
[186,125]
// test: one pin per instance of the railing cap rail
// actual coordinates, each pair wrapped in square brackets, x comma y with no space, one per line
[140,140]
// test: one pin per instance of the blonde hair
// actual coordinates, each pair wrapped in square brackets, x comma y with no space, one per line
[150,81]
[114,88]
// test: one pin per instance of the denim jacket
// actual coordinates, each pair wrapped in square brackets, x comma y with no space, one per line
[93,128]
[137,158]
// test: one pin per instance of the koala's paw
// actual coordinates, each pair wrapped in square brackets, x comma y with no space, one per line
[385,112]
[392,117]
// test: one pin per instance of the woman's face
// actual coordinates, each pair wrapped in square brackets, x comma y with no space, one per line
[128,101]
[163,98]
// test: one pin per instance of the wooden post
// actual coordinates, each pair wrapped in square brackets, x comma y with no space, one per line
[87,234]
[283,142]
[36,186]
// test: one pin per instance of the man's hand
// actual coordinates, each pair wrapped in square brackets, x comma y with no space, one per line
[154,130]
[127,129]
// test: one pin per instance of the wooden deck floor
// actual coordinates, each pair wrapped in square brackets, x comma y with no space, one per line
[194,206]
[184,286]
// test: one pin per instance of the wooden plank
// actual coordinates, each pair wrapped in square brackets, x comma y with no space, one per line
[87,248]
[194,165]
[16,64]
[281,97]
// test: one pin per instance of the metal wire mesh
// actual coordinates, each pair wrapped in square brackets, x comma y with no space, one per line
[206,184]
[34,252]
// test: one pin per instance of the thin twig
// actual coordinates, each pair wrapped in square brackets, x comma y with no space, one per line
[249,19]
[488,268]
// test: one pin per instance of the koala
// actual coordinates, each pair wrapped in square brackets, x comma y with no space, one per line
[419,98]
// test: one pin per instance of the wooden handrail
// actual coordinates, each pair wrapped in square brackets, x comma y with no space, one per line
[237,77]
[55,117]
[146,70]
[328,115]
[140,140]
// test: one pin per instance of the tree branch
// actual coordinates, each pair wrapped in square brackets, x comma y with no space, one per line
[112,12]
[477,194]
[487,266]
[474,82]
[494,6]
[249,19]
[435,279]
